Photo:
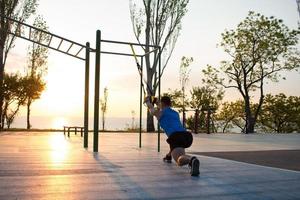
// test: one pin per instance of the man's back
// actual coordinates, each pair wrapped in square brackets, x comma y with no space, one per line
[170,121]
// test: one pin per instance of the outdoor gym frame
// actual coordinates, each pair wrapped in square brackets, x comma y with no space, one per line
[19,32]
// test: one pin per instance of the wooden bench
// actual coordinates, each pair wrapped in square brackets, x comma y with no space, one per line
[69,129]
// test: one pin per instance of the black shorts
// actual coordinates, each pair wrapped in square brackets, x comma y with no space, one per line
[182,139]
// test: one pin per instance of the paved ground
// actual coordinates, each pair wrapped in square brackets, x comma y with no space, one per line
[50,166]
[284,159]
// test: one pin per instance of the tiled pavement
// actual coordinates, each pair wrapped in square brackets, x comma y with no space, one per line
[52,166]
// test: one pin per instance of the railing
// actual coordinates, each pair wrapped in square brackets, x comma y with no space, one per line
[68,129]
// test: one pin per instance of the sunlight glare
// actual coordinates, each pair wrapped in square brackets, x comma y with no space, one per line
[59,123]
[59,149]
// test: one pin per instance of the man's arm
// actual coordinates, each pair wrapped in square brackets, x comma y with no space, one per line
[154,111]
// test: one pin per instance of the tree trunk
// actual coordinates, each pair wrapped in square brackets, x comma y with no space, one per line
[208,122]
[103,122]
[250,125]
[4,114]
[150,73]
[1,84]
[224,128]
[250,120]
[183,107]
[28,113]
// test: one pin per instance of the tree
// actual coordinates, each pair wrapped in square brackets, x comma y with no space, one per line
[176,98]
[13,98]
[204,99]
[280,113]
[184,78]
[103,103]
[157,22]
[231,115]
[259,49]
[20,10]
[33,88]
[37,65]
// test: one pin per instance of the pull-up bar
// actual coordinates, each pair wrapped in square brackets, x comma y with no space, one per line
[129,43]
[86,57]
[50,45]
[97,81]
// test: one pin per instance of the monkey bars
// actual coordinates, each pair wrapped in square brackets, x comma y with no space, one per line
[76,50]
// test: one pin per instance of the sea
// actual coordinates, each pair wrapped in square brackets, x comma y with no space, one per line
[57,122]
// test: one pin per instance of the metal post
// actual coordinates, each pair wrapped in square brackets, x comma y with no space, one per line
[75,130]
[141,104]
[97,88]
[159,75]
[68,131]
[86,96]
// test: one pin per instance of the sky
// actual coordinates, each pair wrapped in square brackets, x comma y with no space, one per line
[201,32]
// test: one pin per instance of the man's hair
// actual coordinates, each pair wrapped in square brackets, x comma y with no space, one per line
[166,100]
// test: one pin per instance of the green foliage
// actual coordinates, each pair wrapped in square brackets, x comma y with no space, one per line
[38,55]
[17,89]
[259,48]
[13,97]
[176,98]
[280,114]
[33,87]
[184,71]
[205,97]
[20,10]
[201,125]
[231,114]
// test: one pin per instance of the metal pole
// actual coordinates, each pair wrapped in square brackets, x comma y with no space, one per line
[128,43]
[86,96]
[141,104]
[159,75]
[97,88]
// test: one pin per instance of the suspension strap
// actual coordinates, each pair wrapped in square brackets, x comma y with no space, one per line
[140,72]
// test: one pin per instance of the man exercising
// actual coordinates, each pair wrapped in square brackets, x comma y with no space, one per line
[178,137]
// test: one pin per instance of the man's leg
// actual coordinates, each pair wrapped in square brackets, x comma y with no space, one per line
[168,157]
[180,157]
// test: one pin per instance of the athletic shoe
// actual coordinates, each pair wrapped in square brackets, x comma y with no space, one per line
[194,165]
[167,159]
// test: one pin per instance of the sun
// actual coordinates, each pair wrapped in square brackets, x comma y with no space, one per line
[59,123]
